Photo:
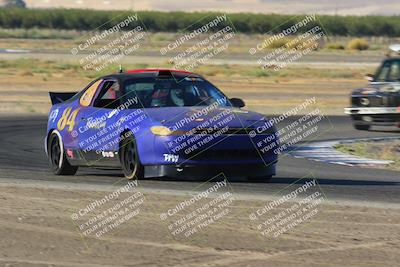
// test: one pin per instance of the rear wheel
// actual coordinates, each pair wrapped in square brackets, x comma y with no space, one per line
[362,127]
[58,161]
[130,161]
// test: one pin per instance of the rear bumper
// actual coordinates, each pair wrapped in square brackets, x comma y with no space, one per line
[209,171]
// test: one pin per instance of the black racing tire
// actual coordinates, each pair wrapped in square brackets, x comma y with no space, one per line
[260,179]
[57,157]
[362,127]
[130,161]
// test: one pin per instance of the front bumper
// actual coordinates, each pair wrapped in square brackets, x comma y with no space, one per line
[372,110]
[206,172]
[222,150]
[379,116]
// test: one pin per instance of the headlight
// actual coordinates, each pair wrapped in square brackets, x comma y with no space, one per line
[160,130]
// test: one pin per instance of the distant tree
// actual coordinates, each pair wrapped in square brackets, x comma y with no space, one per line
[14,3]
[76,19]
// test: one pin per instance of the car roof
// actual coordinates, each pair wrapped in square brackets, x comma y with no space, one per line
[158,70]
[151,72]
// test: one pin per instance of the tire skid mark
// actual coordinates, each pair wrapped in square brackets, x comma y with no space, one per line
[265,256]
[172,246]
[52,263]
[236,255]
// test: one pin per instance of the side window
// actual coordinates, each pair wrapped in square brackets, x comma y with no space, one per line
[139,92]
[394,74]
[88,95]
[109,95]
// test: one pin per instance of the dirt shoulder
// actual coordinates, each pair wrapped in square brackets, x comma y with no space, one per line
[381,150]
[37,229]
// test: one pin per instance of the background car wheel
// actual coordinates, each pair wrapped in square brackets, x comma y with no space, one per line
[260,179]
[58,161]
[130,161]
[362,127]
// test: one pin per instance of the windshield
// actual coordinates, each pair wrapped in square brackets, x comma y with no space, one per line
[389,71]
[156,92]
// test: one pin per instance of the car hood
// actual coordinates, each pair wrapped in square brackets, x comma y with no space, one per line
[184,118]
[378,88]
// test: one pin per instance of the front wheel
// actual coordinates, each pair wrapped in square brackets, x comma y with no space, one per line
[362,127]
[57,158]
[130,161]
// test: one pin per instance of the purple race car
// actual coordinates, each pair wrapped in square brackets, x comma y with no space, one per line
[155,123]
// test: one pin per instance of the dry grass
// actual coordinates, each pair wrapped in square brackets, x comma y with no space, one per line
[61,39]
[358,44]
[24,84]
[388,150]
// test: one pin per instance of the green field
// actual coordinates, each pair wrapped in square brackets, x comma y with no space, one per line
[155,21]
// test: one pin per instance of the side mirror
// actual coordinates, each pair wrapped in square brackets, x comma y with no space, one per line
[237,102]
[370,77]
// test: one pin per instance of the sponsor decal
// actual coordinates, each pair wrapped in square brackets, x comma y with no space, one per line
[171,157]
[53,115]
[95,123]
[70,153]
[87,97]
[107,154]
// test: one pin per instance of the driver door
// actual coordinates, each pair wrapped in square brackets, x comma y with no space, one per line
[97,125]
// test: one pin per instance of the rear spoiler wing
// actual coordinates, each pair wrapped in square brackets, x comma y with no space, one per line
[60,97]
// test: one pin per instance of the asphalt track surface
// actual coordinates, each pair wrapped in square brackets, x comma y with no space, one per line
[22,159]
